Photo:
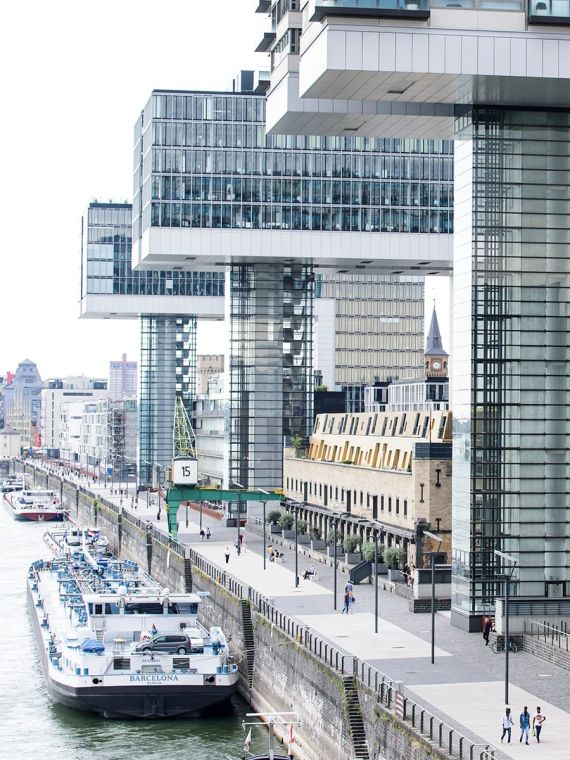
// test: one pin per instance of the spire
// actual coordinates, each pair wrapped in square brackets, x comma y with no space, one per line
[433,342]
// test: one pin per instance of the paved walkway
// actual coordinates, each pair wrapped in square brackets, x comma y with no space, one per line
[466,684]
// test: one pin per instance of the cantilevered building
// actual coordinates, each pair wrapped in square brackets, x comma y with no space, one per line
[496,76]
[167,303]
[214,191]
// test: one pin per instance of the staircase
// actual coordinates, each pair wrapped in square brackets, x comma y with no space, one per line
[355,722]
[187,576]
[248,640]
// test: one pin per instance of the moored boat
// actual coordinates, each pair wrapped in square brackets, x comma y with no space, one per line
[35,505]
[114,642]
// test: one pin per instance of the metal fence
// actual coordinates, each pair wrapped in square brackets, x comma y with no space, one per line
[447,738]
[555,634]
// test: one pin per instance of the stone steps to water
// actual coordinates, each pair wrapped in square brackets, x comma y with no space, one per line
[355,721]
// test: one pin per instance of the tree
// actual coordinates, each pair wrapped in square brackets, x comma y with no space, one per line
[297,442]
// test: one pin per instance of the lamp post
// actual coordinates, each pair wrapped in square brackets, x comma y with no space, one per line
[238,504]
[375,581]
[264,530]
[296,507]
[433,553]
[507,579]
[334,560]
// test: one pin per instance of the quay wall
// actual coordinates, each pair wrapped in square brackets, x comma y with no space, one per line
[283,666]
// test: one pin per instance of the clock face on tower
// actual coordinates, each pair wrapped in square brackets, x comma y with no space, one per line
[436,364]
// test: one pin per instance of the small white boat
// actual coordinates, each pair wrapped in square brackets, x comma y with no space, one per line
[35,505]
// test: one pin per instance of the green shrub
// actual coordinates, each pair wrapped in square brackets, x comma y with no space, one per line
[347,461]
[286,520]
[315,533]
[350,543]
[392,556]
[302,526]
[330,536]
[368,551]
[273,517]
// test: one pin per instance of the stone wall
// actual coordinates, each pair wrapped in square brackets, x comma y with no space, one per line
[389,737]
[546,651]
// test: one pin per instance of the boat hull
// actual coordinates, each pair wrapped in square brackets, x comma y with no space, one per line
[144,701]
[38,516]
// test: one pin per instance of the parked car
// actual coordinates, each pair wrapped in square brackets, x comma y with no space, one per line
[171,644]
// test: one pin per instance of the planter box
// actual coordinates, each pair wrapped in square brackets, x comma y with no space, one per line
[318,544]
[275,528]
[303,538]
[332,553]
[231,522]
[395,575]
[381,568]
[288,534]
[353,558]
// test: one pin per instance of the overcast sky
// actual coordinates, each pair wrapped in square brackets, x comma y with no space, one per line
[75,76]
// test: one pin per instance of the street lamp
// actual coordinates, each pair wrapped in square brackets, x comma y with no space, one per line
[296,549]
[433,553]
[239,485]
[375,581]
[262,490]
[334,559]
[507,578]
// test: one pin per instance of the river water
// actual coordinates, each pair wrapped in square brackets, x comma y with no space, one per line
[33,726]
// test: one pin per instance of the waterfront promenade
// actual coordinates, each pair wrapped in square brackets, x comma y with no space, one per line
[465,686]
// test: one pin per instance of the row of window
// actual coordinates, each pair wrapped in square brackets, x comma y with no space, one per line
[336,192]
[356,498]
[295,164]
[379,424]
[271,217]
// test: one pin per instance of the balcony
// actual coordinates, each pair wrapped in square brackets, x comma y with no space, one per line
[412,9]
[266,42]
[549,12]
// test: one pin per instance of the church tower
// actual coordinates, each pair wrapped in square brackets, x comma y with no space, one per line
[435,358]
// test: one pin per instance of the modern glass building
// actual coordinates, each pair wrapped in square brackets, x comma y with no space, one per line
[214,190]
[496,76]
[167,303]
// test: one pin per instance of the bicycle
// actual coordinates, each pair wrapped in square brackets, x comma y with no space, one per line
[499,646]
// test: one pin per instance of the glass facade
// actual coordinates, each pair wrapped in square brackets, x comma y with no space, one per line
[106,261]
[511,357]
[270,372]
[208,163]
[167,370]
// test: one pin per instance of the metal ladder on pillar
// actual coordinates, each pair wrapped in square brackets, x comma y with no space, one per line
[355,722]
[188,576]
[248,641]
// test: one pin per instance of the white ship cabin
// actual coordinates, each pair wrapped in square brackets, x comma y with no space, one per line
[37,496]
[134,617]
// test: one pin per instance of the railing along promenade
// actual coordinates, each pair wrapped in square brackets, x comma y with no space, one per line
[387,691]
[553,634]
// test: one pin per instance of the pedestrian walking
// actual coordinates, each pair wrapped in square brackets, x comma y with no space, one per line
[537,722]
[507,725]
[227,555]
[208,533]
[486,630]
[348,588]
[237,544]
[524,723]
[202,535]
[352,600]
[346,602]
[241,539]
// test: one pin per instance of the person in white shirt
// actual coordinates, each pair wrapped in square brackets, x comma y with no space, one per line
[507,725]
[537,722]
